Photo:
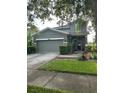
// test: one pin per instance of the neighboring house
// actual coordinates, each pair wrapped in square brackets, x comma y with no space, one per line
[49,39]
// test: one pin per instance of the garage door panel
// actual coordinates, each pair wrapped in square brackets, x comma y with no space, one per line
[49,45]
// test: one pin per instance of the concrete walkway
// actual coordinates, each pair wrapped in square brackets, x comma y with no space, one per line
[70,56]
[70,82]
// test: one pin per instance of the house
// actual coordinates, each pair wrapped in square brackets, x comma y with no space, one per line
[49,39]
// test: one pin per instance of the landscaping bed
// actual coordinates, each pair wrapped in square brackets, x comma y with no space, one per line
[71,66]
[34,89]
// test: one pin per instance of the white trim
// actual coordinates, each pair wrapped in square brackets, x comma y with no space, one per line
[41,39]
[49,39]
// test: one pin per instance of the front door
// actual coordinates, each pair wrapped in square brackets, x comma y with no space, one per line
[79,46]
[78,43]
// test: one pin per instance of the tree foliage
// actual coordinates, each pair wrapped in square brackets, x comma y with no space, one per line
[65,10]
[31,28]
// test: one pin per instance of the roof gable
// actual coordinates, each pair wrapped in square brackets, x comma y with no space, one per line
[46,29]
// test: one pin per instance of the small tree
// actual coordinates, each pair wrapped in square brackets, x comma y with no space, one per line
[31,48]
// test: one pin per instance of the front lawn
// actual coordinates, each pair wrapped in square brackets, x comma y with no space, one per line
[34,89]
[71,66]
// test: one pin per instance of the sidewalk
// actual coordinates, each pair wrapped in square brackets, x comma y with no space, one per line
[65,81]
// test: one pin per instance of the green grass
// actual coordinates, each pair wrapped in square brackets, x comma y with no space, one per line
[34,89]
[71,66]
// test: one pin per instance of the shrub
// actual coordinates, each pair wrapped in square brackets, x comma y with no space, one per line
[88,48]
[31,49]
[94,55]
[65,49]
[91,47]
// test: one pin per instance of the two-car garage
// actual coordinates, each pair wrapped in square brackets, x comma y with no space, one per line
[49,40]
[49,45]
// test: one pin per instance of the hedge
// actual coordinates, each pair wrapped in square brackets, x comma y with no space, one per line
[31,49]
[65,49]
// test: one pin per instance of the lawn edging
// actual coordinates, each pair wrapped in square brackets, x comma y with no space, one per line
[68,72]
[37,89]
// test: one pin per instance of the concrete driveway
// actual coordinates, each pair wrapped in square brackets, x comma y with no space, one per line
[36,60]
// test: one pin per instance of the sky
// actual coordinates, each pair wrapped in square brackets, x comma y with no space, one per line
[47,23]
[53,23]
[91,35]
